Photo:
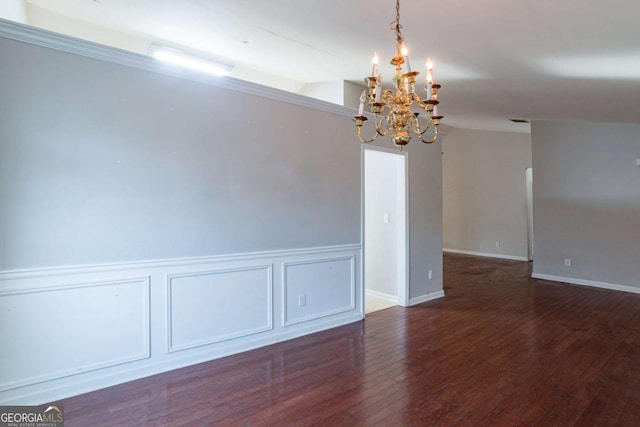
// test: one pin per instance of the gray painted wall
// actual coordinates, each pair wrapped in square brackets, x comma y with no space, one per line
[105,163]
[587,201]
[101,162]
[484,198]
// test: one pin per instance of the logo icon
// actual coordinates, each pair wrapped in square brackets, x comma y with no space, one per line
[32,416]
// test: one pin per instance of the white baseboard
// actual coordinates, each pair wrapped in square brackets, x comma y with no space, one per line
[591,283]
[391,298]
[486,254]
[428,297]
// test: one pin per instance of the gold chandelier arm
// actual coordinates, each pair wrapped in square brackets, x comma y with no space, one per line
[427,104]
[379,126]
[363,140]
[359,120]
[435,136]
[430,125]
[415,125]
[387,95]
[418,101]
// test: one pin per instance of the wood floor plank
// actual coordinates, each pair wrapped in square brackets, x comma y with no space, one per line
[500,349]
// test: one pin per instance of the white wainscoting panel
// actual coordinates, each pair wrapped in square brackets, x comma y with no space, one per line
[318,288]
[214,306]
[71,329]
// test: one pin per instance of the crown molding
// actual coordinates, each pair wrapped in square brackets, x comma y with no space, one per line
[38,37]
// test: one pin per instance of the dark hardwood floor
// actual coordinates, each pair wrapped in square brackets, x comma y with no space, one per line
[499,349]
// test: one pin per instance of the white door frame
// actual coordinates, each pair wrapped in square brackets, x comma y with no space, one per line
[403,225]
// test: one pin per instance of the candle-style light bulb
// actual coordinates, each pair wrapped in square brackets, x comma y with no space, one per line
[405,54]
[429,78]
[374,72]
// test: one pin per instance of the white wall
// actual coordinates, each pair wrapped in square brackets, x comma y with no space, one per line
[51,21]
[13,10]
[484,198]
[352,92]
[383,175]
[332,91]
[339,92]
[587,203]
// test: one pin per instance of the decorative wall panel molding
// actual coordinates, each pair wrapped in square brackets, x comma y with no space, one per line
[317,288]
[82,328]
[54,332]
[213,306]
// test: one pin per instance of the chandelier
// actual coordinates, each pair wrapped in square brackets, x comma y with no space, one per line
[393,110]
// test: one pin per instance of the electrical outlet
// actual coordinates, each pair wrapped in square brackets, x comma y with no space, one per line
[385,218]
[567,262]
[302,300]
[430,274]
[497,244]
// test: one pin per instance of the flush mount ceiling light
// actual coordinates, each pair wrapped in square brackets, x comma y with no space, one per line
[182,59]
[393,110]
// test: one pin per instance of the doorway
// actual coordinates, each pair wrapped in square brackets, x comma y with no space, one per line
[385,229]
[528,174]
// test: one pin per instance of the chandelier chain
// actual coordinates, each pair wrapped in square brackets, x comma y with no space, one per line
[395,24]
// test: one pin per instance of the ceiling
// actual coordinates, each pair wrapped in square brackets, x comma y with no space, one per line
[496,59]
